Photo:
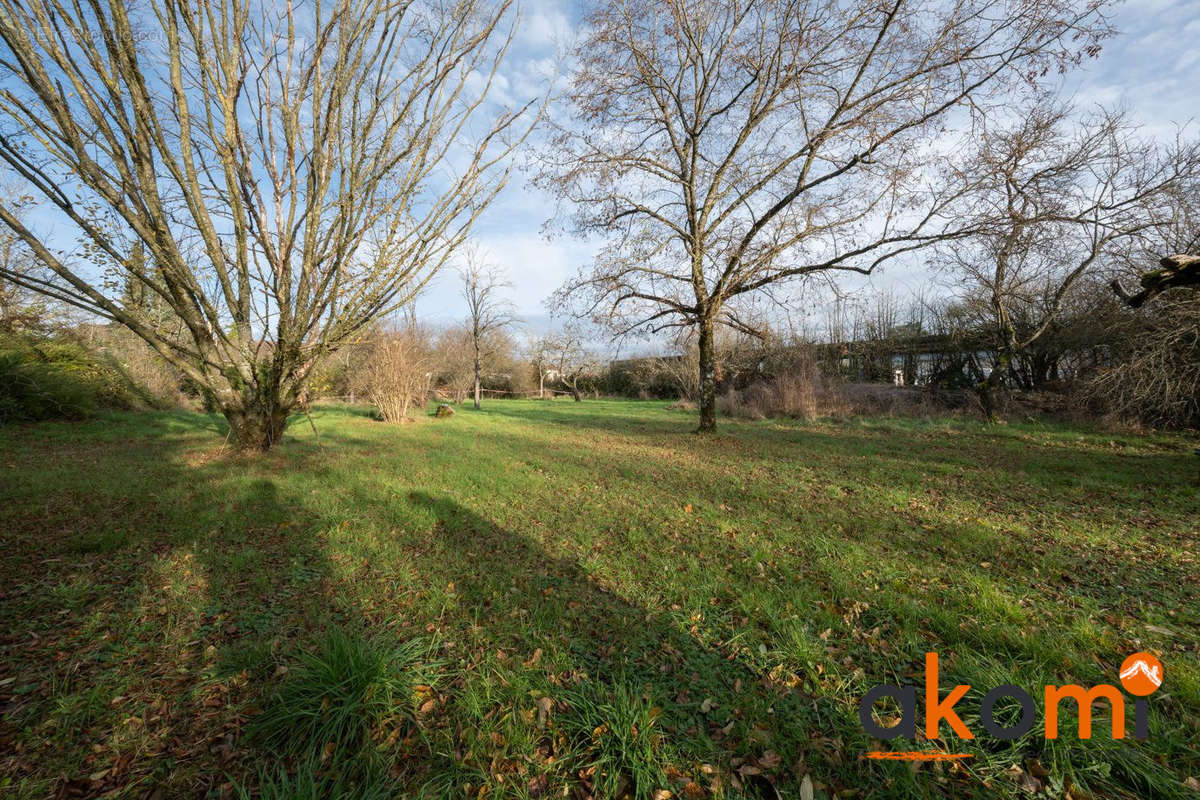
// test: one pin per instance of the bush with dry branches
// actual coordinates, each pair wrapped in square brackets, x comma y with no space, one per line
[395,371]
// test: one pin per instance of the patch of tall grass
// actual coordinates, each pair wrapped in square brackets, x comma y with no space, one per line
[342,700]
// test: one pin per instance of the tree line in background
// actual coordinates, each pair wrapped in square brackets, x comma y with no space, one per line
[1096,358]
[258,192]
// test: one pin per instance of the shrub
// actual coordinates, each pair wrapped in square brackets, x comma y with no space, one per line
[394,373]
[885,400]
[155,380]
[646,378]
[52,379]
[797,389]
[1155,379]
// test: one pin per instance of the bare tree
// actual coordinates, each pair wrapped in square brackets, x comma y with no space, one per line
[1154,374]
[541,358]
[1053,197]
[488,312]
[725,147]
[572,359]
[291,172]
[453,361]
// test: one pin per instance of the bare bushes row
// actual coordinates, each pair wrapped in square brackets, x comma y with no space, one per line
[813,395]
[801,392]
[791,383]
[788,383]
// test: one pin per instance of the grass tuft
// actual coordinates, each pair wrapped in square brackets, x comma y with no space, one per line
[341,701]
[620,748]
[312,781]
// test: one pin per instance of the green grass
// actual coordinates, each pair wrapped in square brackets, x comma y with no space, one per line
[559,599]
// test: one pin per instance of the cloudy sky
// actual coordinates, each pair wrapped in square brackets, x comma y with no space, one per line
[1152,67]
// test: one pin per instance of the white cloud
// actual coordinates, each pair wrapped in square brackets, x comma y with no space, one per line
[1150,67]
[544,24]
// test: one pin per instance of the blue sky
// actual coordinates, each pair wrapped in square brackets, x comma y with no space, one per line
[511,230]
[1152,68]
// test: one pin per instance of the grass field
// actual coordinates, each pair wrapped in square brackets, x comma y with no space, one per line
[580,600]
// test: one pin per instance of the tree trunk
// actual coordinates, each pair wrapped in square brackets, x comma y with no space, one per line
[257,427]
[541,384]
[258,408]
[989,386]
[708,378]
[477,385]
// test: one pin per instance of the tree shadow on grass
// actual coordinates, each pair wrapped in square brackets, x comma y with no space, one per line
[179,611]
[138,633]
[579,643]
[983,597]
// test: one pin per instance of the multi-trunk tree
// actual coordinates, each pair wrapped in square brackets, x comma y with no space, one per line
[1053,197]
[723,148]
[278,176]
